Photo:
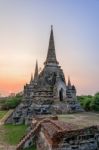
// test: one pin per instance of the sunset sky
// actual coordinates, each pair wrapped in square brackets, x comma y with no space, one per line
[24,35]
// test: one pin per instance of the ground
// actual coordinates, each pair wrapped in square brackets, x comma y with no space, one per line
[83,119]
[32,148]
[2,113]
[11,134]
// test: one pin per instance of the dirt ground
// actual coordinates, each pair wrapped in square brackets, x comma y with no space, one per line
[83,119]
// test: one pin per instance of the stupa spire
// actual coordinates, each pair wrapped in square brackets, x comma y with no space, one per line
[36,71]
[51,55]
[69,82]
[31,77]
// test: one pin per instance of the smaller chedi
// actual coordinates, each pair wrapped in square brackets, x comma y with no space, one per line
[47,92]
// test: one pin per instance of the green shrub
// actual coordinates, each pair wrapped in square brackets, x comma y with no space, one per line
[89,102]
[95,103]
[11,102]
[86,104]
[85,101]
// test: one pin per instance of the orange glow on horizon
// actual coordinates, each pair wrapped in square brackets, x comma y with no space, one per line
[14,85]
[11,86]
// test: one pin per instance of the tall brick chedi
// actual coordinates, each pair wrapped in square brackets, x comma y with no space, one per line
[47,92]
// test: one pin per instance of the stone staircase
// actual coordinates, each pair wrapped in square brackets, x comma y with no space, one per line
[30,135]
[6,116]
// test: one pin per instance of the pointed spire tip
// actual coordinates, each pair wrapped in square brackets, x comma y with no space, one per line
[69,82]
[51,55]
[31,77]
[36,71]
[51,27]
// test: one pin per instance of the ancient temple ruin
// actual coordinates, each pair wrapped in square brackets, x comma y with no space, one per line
[52,134]
[47,92]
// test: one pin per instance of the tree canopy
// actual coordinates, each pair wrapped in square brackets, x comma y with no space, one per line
[89,103]
[11,102]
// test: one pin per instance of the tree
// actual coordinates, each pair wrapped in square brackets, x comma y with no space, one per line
[12,102]
[86,104]
[85,101]
[95,102]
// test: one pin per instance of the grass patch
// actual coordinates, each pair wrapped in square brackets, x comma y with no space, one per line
[66,117]
[13,133]
[2,113]
[31,148]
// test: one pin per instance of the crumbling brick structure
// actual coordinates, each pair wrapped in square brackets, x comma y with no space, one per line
[52,134]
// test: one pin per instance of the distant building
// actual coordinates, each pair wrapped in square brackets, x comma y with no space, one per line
[12,95]
[47,92]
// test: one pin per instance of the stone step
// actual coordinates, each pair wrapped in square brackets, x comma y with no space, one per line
[29,135]
[2,121]
[22,142]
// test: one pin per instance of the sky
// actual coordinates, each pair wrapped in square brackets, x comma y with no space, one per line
[24,35]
